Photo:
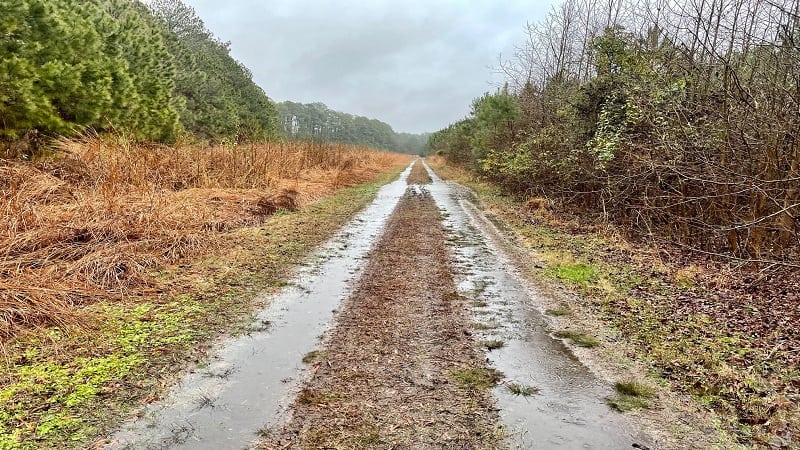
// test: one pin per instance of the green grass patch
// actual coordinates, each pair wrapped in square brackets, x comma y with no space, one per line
[576,338]
[577,273]
[630,395]
[475,378]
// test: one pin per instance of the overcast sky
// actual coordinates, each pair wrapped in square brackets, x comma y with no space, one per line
[415,64]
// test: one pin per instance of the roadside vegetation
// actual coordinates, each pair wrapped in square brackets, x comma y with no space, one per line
[122,259]
[648,300]
[676,122]
[649,152]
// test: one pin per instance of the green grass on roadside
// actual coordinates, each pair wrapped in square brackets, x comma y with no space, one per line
[630,395]
[62,387]
[579,339]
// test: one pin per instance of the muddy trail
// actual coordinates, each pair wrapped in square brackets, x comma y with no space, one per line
[411,329]
[400,369]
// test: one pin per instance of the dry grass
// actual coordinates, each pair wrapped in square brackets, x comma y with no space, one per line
[99,218]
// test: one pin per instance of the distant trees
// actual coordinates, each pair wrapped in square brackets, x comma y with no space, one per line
[68,65]
[317,121]
[675,119]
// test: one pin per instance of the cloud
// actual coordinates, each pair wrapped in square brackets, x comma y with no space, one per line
[414,64]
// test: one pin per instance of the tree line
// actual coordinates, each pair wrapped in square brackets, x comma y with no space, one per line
[678,120]
[154,72]
[317,121]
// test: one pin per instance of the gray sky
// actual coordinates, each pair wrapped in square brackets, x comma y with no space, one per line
[415,64]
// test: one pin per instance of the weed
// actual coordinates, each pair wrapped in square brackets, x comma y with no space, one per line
[476,378]
[493,344]
[313,355]
[523,390]
[204,401]
[579,339]
[558,312]
[630,395]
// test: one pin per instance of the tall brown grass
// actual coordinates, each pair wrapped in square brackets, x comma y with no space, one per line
[94,220]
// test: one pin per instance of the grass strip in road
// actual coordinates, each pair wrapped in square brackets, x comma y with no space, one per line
[400,369]
[63,387]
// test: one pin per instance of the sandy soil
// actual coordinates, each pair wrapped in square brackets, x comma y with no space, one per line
[400,369]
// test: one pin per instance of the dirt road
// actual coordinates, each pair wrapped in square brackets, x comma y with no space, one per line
[393,372]
[436,343]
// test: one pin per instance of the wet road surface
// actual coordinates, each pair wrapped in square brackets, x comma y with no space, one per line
[569,410]
[249,381]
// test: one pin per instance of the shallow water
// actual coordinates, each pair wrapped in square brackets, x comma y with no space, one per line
[250,379]
[569,411]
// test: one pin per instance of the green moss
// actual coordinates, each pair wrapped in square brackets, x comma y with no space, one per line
[575,273]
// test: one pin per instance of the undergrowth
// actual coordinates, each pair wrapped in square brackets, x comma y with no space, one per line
[100,217]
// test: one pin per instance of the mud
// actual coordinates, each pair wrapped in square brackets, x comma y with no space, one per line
[398,369]
[418,175]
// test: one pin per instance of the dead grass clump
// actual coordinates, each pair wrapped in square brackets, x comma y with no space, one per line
[94,220]
[24,304]
[284,200]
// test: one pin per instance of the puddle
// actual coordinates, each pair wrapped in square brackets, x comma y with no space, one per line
[569,411]
[249,380]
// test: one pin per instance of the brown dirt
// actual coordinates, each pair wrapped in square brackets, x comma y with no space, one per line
[418,174]
[396,370]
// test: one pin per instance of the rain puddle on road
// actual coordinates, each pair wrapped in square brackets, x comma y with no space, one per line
[249,379]
[569,410]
